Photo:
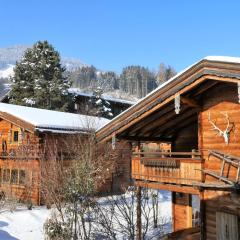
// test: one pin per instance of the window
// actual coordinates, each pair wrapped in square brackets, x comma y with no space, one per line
[14,176]
[4,145]
[15,136]
[6,175]
[22,177]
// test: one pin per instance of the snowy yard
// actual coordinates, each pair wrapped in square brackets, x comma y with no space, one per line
[24,224]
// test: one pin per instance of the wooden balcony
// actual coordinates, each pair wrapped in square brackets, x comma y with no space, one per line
[21,153]
[167,167]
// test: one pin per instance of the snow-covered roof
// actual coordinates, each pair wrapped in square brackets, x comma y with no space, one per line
[78,92]
[47,120]
[225,59]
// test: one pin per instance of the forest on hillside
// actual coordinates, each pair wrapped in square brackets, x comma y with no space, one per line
[135,80]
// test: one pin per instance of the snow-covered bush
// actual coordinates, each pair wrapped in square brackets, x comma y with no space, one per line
[56,230]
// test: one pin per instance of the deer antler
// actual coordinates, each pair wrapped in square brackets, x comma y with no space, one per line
[226,133]
[227,118]
[214,125]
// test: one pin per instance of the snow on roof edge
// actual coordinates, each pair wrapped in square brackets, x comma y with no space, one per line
[223,59]
[49,119]
[208,58]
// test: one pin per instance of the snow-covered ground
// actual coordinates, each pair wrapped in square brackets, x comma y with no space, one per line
[24,224]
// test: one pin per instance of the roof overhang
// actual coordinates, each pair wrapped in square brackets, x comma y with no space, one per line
[39,129]
[205,73]
[17,121]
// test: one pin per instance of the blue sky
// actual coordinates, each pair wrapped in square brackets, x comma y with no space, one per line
[111,34]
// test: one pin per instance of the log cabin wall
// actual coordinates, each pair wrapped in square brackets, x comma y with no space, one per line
[222,99]
[25,186]
[120,177]
[219,100]
[19,162]
[218,203]
[123,170]
[61,146]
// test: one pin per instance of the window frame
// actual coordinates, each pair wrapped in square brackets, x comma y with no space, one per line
[14,180]
[7,175]
[17,136]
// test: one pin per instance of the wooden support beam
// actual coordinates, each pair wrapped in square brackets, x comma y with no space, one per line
[205,86]
[213,186]
[163,120]
[189,211]
[168,187]
[139,213]
[190,102]
[137,127]
[173,208]
[173,125]
[145,139]
[202,216]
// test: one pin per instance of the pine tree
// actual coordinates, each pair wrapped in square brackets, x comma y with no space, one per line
[137,80]
[39,79]
[84,77]
[101,105]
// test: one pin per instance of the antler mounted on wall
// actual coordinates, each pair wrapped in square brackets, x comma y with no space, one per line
[222,133]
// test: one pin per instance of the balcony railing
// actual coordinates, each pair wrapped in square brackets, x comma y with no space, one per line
[21,153]
[167,167]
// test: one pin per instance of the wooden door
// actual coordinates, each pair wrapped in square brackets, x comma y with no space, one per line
[227,226]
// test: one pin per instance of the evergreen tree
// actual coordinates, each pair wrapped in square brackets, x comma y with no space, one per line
[84,77]
[137,80]
[39,79]
[108,81]
[101,105]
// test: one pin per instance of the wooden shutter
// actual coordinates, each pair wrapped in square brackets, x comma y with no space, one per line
[227,226]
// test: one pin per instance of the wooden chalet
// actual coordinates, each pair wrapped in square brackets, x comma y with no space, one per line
[197,115]
[83,104]
[23,135]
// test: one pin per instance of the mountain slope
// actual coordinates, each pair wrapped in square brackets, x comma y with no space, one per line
[9,56]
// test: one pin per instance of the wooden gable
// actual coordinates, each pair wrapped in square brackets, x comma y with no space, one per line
[154,117]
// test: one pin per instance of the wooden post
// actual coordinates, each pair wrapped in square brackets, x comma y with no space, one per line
[139,214]
[173,210]
[222,168]
[202,216]
[189,211]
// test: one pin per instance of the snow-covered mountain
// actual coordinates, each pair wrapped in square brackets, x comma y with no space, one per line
[9,56]
[7,72]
